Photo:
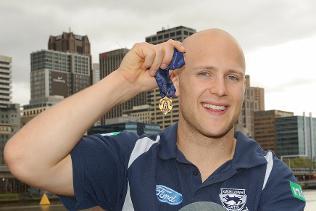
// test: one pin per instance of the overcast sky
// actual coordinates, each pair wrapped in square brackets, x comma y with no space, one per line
[278,36]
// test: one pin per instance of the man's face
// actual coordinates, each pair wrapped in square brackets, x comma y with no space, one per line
[211,86]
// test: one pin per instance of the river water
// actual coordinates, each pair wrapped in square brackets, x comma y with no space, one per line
[310,196]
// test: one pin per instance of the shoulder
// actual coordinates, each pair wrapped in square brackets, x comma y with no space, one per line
[277,190]
[277,172]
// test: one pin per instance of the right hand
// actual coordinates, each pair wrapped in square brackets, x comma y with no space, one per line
[140,64]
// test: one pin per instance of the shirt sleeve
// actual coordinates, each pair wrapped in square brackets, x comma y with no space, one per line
[99,166]
[277,194]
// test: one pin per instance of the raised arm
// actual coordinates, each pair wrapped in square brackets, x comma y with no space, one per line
[39,153]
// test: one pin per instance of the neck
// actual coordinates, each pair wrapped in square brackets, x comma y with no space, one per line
[207,153]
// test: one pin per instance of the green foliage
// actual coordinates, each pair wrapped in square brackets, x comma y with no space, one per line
[9,196]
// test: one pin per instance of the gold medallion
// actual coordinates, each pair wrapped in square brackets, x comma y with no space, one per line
[165,105]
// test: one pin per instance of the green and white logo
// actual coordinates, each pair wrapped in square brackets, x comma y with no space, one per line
[110,134]
[297,191]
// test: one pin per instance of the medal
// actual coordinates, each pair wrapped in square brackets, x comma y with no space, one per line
[166,87]
[165,105]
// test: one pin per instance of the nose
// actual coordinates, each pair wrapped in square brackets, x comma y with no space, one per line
[218,86]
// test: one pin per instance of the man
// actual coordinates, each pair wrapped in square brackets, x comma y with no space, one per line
[198,162]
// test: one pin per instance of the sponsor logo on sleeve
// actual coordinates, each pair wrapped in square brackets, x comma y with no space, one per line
[233,199]
[110,134]
[167,195]
[297,191]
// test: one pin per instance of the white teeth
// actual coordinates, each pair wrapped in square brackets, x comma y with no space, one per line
[214,107]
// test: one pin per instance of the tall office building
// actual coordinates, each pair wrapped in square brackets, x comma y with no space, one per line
[9,112]
[70,42]
[265,127]
[55,74]
[95,73]
[177,33]
[5,81]
[296,136]
[10,123]
[110,61]
[253,101]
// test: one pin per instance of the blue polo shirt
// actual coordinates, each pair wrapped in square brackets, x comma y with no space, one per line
[128,172]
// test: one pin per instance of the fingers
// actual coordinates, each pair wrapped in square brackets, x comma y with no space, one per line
[160,55]
[150,55]
[169,50]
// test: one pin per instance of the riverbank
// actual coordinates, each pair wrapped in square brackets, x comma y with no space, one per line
[16,199]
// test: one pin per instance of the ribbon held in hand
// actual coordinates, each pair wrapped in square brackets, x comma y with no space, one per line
[166,87]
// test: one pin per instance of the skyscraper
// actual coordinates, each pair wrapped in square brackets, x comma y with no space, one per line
[55,74]
[95,73]
[296,136]
[70,42]
[177,33]
[9,113]
[5,81]
[111,60]
[265,127]
[253,101]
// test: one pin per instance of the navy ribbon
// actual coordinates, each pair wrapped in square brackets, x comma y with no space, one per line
[164,82]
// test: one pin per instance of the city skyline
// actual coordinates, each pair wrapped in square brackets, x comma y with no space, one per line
[278,37]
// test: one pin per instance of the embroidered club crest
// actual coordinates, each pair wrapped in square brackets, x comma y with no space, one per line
[233,199]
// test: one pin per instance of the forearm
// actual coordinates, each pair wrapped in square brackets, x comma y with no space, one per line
[49,137]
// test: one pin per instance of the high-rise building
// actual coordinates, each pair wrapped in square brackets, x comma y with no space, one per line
[142,113]
[55,74]
[296,136]
[253,101]
[177,33]
[265,127]
[95,73]
[5,81]
[10,123]
[70,42]
[59,72]
[110,61]
[9,113]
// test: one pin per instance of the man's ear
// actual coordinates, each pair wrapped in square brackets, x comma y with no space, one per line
[174,76]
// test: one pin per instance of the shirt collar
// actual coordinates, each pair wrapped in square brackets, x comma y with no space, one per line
[247,152]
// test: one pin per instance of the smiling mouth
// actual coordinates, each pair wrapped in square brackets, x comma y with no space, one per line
[217,108]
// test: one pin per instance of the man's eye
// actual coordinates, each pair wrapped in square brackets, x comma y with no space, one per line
[233,77]
[204,73]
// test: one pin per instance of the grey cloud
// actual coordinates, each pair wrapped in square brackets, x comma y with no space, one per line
[26,25]
[291,84]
